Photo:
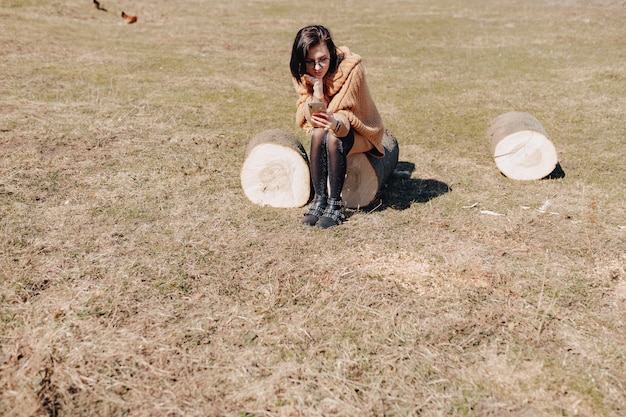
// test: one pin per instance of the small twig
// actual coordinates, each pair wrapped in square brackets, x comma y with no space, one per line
[379,204]
[306,333]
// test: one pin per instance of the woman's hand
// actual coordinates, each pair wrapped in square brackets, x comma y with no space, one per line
[318,86]
[325,120]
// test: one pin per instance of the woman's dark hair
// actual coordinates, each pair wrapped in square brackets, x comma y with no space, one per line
[307,38]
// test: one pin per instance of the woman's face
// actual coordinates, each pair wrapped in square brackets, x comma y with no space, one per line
[318,60]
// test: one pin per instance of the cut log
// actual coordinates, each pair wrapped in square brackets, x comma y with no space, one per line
[521,147]
[276,170]
[367,174]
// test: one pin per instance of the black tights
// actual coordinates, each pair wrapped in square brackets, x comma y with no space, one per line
[329,161]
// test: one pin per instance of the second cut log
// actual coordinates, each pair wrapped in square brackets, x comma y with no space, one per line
[521,146]
[367,174]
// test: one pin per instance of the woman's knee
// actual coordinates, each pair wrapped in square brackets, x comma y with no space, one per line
[333,141]
[339,144]
[318,136]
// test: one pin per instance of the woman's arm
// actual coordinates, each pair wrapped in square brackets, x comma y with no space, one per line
[311,89]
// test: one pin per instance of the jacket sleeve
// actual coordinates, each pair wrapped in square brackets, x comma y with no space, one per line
[305,95]
[354,104]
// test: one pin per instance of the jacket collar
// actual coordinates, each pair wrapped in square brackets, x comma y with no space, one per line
[334,81]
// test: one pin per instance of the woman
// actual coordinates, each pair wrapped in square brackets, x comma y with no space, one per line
[351,123]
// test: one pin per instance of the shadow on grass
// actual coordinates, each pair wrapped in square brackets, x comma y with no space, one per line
[556,174]
[400,190]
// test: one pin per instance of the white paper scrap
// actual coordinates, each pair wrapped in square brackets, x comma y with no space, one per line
[491,213]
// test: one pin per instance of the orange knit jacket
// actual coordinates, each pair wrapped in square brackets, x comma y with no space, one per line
[349,99]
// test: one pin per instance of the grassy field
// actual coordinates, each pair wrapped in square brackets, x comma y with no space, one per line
[137,280]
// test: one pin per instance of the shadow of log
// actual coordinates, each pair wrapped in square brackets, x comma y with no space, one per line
[400,190]
[556,174]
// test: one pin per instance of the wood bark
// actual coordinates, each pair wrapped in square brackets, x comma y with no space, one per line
[276,170]
[367,174]
[521,147]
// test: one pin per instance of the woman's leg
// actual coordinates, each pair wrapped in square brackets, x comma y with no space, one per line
[337,150]
[319,177]
[319,161]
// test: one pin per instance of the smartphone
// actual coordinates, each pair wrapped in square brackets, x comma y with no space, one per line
[317,107]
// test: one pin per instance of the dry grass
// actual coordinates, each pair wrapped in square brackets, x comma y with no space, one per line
[136,279]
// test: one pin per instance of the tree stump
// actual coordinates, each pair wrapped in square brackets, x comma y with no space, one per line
[276,170]
[521,147]
[367,174]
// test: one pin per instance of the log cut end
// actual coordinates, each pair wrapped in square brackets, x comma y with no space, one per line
[276,172]
[521,147]
[525,155]
[361,184]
